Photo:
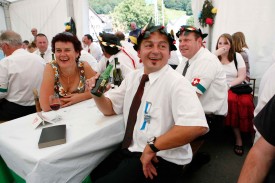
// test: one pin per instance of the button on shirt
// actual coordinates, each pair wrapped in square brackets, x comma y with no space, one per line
[174,102]
[205,73]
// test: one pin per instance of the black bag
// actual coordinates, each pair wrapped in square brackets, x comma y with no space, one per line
[243,88]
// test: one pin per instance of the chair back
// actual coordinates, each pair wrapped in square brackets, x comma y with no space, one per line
[36,100]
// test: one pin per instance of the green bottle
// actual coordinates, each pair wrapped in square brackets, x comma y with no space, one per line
[102,81]
[117,75]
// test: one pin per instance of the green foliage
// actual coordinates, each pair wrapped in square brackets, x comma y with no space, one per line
[183,5]
[131,11]
[191,21]
[103,7]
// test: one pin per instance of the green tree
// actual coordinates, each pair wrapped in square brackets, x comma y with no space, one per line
[131,11]
[103,7]
[177,4]
[190,21]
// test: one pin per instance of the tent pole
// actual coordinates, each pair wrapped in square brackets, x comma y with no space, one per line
[7,15]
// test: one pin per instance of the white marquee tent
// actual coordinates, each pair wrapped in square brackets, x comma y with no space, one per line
[47,16]
[254,18]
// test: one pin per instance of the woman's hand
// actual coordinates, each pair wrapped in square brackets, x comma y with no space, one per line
[70,99]
[220,51]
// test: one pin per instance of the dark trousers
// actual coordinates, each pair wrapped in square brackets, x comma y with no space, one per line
[10,110]
[123,166]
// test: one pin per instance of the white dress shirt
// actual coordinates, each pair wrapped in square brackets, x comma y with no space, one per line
[173,102]
[19,74]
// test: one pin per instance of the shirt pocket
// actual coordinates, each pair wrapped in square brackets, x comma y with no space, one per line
[151,122]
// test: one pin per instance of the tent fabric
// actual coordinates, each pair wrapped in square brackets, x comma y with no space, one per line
[47,16]
[256,22]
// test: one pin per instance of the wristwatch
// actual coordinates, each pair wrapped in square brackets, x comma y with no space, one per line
[151,142]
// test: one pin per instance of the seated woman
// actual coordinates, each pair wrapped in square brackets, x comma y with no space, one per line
[66,75]
[240,106]
[242,48]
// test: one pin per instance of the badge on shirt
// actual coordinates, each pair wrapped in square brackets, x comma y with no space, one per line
[3,87]
[196,83]
[147,116]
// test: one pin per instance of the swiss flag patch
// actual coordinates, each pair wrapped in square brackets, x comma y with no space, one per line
[195,81]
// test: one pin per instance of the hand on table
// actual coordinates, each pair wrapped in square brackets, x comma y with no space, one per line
[69,99]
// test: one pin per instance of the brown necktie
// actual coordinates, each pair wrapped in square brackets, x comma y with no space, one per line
[89,51]
[42,55]
[132,117]
[185,68]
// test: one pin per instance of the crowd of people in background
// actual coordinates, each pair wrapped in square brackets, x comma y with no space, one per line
[194,92]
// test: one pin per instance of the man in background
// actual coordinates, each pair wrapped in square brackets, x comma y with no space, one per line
[20,73]
[91,47]
[43,49]
[34,33]
[135,31]
[204,71]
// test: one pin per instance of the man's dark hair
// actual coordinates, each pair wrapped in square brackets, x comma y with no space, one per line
[40,35]
[26,42]
[89,37]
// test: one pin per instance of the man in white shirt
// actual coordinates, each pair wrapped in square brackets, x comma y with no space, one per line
[168,118]
[43,50]
[20,72]
[34,33]
[266,92]
[91,47]
[204,71]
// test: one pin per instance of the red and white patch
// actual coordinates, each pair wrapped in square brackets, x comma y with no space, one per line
[195,81]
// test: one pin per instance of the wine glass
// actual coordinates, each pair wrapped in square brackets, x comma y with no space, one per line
[55,104]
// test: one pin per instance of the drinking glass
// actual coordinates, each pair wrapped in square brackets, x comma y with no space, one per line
[55,104]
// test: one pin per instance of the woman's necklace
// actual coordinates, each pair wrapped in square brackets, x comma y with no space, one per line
[68,76]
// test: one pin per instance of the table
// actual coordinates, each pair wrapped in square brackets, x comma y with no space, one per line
[91,136]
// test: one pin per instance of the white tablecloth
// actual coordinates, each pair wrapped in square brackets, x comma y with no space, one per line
[90,138]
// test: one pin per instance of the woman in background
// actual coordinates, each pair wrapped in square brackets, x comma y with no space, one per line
[66,75]
[240,106]
[242,48]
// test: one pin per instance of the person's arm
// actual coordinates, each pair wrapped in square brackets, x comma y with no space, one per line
[240,78]
[258,162]
[78,97]
[4,81]
[246,61]
[175,137]
[47,88]
[103,103]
